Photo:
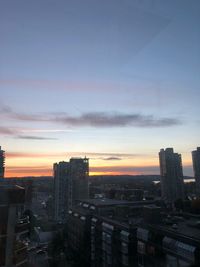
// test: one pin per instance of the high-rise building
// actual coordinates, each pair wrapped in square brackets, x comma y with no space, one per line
[2,162]
[196,167]
[13,227]
[171,171]
[70,184]
[78,180]
[61,178]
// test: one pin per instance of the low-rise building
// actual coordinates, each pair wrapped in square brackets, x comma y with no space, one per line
[175,241]
[113,243]
[103,231]
[78,234]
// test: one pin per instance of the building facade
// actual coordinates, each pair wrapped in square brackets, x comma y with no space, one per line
[13,227]
[2,162]
[196,167]
[78,180]
[78,236]
[171,171]
[164,245]
[61,179]
[148,237]
[70,184]
[102,232]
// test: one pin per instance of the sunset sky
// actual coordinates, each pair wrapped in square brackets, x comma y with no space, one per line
[112,80]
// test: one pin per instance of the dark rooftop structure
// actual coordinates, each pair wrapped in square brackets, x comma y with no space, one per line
[12,194]
[110,202]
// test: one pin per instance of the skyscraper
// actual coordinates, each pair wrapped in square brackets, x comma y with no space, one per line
[2,162]
[78,180]
[70,184]
[171,171]
[61,178]
[196,167]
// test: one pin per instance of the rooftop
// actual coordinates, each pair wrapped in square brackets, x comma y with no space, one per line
[111,202]
[181,228]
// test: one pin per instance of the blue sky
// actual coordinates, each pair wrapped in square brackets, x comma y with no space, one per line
[112,80]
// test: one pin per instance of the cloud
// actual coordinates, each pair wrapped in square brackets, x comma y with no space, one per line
[112,158]
[19,171]
[47,130]
[27,137]
[16,134]
[96,119]
[111,155]
[13,154]
[6,131]
[7,112]
[102,119]
[16,154]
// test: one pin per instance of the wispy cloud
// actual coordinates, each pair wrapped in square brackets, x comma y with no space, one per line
[96,119]
[117,155]
[6,131]
[112,158]
[28,137]
[47,130]
[103,119]
[13,171]
[16,133]
[102,155]
[7,112]
[33,155]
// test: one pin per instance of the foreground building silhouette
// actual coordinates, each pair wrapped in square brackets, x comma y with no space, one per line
[113,233]
[171,171]
[70,184]
[2,162]
[196,167]
[100,231]
[13,227]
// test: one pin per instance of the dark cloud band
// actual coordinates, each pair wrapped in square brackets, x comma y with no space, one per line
[96,119]
[27,137]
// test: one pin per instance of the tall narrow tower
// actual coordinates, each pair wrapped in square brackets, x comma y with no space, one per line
[171,171]
[2,163]
[196,167]
[78,180]
[61,180]
[70,184]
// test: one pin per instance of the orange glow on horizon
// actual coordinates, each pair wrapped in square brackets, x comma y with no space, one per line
[27,172]
[22,164]
[22,171]
[114,173]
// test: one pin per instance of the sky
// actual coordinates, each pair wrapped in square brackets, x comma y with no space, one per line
[111,80]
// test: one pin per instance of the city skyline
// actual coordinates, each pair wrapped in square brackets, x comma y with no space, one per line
[114,82]
[109,170]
